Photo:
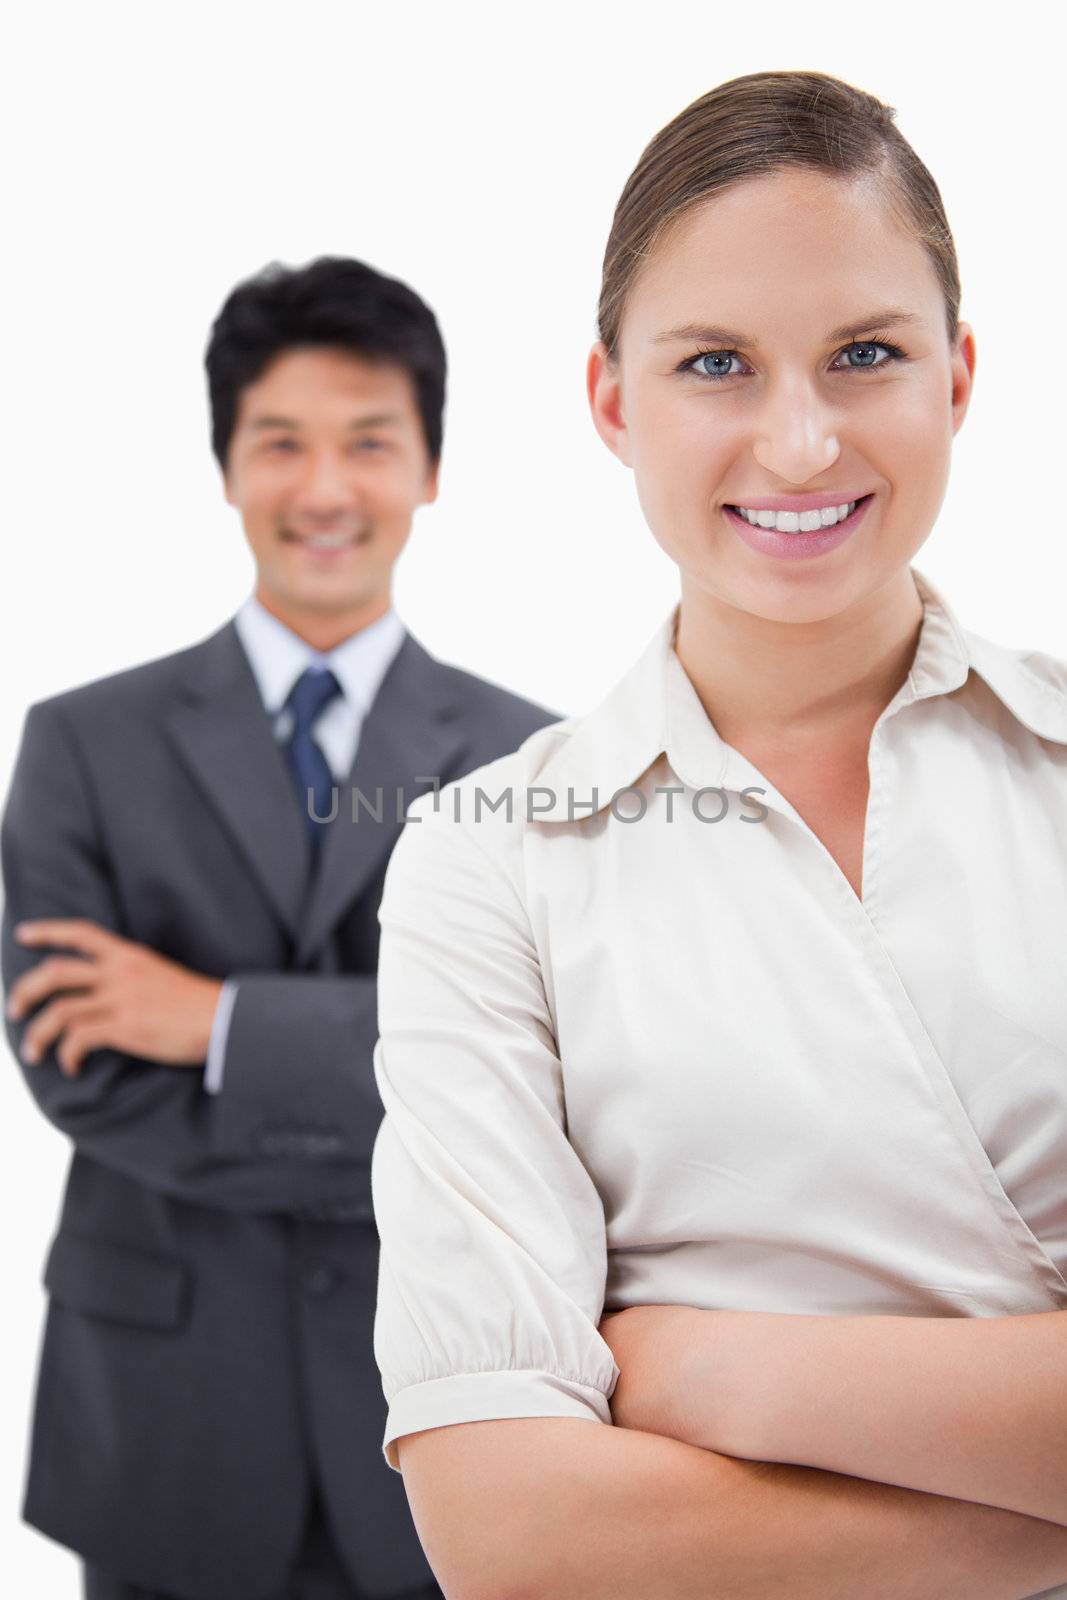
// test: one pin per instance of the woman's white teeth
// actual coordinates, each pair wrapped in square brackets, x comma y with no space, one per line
[798,521]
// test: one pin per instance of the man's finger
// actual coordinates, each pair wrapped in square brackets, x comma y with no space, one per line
[54,972]
[77,932]
[90,1032]
[47,1025]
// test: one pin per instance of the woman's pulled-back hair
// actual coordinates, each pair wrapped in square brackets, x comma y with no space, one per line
[755,125]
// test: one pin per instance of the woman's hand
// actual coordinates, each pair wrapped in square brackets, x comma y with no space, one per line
[656,1349]
[973,1408]
[695,1375]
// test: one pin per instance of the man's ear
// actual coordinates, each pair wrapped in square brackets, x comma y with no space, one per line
[603,383]
[433,474]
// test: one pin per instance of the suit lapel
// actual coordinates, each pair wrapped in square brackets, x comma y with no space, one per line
[411,731]
[225,738]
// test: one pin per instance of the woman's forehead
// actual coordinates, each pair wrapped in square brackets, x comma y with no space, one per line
[755,259]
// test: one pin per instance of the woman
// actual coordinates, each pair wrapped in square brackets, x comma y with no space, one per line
[735,1008]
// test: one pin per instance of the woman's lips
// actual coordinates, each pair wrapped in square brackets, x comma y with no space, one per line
[791,546]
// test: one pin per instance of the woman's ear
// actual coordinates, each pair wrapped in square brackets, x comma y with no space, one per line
[964,356]
[603,382]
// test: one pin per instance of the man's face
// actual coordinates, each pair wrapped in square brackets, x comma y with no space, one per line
[327,465]
[790,406]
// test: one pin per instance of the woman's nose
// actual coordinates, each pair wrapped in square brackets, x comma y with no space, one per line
[795,436]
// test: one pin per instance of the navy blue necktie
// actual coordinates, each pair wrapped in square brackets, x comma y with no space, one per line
[313,690]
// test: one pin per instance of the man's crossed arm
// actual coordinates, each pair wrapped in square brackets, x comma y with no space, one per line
[112,993]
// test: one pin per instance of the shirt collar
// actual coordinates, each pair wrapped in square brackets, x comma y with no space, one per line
[278,656]
[654,710]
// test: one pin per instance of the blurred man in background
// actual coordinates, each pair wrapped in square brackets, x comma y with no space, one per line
[189,954]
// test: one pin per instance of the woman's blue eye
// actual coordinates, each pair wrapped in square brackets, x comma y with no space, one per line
[728,356]
[865,345]
[714,355]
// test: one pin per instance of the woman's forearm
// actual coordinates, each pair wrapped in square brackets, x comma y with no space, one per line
[553,1508]
[974,1408]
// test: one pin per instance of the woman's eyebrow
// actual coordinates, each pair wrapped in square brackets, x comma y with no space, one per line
[706,334]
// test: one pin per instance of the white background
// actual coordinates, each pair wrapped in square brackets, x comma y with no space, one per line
[155,155]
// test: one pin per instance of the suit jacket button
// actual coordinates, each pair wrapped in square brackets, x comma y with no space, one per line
[320,1281]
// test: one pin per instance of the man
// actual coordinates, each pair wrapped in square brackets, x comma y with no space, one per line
[189,948]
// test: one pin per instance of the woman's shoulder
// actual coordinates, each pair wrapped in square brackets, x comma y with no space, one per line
[496,800]
[1031,683]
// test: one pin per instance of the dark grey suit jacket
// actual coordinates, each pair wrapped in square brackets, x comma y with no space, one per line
[208,1347]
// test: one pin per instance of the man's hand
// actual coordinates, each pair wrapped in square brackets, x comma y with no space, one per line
[117,994]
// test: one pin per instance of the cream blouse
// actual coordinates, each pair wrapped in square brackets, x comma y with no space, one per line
[645,1045]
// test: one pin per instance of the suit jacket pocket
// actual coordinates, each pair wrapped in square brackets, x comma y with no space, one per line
[116,1280]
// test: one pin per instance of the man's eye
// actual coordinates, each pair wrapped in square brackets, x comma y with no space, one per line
[281,444]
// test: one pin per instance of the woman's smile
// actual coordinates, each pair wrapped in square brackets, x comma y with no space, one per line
[787,536]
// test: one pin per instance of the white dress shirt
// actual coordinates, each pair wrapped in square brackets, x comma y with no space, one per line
[637,1058]
[278,657]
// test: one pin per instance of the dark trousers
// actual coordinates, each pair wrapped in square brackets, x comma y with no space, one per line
[318,1575]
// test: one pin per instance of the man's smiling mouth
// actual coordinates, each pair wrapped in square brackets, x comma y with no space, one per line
[326,541]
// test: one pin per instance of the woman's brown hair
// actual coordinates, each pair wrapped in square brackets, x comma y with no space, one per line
[755,125]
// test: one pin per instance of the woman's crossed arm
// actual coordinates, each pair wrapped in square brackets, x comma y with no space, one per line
[970,1407]
[560,1509]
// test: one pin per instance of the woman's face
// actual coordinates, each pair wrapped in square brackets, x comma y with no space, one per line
[819,386]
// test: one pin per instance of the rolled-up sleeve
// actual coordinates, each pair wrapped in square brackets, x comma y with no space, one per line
[493,1251]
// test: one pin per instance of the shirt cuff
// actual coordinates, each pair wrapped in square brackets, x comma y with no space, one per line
[220,1027]
[487,1397]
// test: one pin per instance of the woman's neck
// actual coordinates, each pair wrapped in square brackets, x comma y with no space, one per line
[770,683]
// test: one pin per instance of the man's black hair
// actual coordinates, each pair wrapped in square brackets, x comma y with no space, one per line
[334,302]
